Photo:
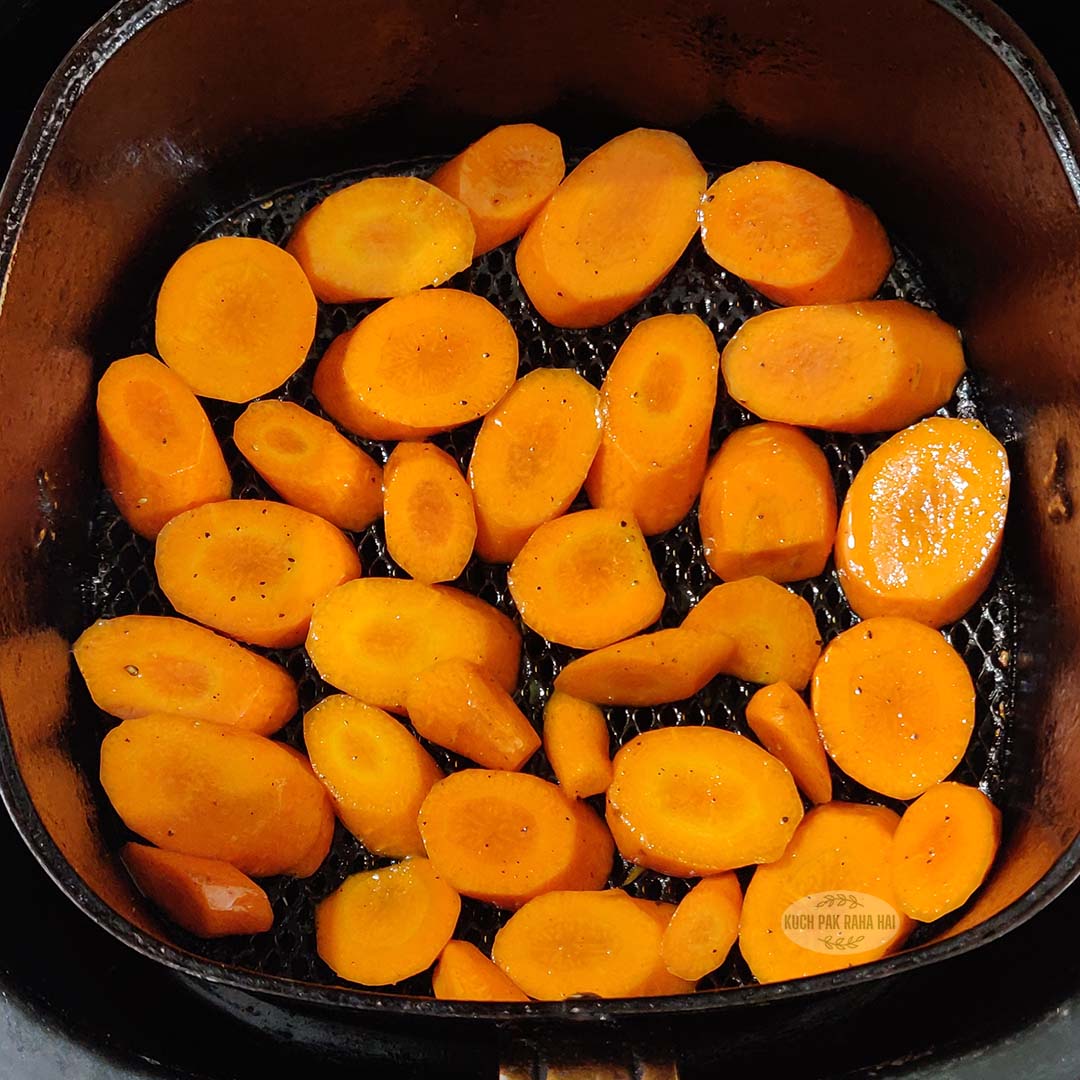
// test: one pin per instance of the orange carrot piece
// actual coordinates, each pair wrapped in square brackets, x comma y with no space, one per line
[576,742]
[704,927]
[464,973]
[662,982]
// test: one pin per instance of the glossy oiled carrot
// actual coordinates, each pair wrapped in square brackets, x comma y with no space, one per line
[704,927]
[576,741]
[663,982]
[464,973]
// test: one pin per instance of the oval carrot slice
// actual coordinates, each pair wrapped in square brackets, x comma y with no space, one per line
[895,705]
[464,973]
[586,580]
[613,229]
[306,461]
[159,455]
[793,236]
[704,927]
[874,366]
[576,742]
[252,569]
[921,527]
[235,318]
[768,506]
[140,664]
[531,457]
[386,236]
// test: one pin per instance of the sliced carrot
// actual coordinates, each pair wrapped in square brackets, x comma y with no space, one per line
[768,506]
[386,236]
[775,632]
[504,178]
[697,800]
[586,580]
[252,569]
[704,927]
[382,926]
[793,236]
[235,318]
[464,973]
[429,514]
[306,461]
[658,399]
[874,366]
[921,527]
[613,229]
[576,743]
[895,705]
[159,455]
[531,457]
[139,664]
[662,982]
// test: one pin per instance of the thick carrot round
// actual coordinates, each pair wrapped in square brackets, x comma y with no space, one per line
[874,366]
[309,464]
[768,506]
[704,927]
[159,455]
[613,229]
[576,741]
[464,973]
[657,402]
[252,569]
[793,236]
[895,705]
[235,318]
[921,527]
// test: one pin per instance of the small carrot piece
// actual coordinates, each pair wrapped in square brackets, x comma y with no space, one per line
[576,741]
[895,705]
[464,973]
[504,178]
[586,580]
[874,366]
[235,318]
[662,982]
[159,455]
[385,236]
[306,461]
[704,927]
[793,236]
[429,514]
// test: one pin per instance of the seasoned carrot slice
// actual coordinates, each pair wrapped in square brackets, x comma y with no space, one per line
[793,236]
[252,569]
[768,506]
[429,514]
[531,457]
[140,664]
[775,632]
[159,455]
[464,973]
[874,366]
[662,982]
[704,927]
[384,925]
[586,580]
[895,705]
[386,236]
[576,742]
[504,179]
[921,527]
[207,897]
[786,728]
[306,461]
[235,318]
[697,800]
[613,229]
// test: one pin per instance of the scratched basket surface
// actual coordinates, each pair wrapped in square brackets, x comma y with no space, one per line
[119,577]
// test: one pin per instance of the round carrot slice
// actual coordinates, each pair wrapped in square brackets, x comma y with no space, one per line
[703,928]
[464,973]
[576,742]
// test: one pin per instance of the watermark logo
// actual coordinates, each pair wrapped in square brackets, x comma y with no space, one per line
[840,922]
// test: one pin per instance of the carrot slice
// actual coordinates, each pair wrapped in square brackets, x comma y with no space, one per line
[140,664]
[658,399]
[613,229]
[793,236]
[786,728]
[382,926]
[159,455]
[531,457]
[252,569]
[235,318]
[895,705]
[775,632]
[371,638]
[586,580]
[874,366]
[768,506]
[703,928]
[464,973]
[306,461]
[386,236]
[504,179]
[921,527]
[697,800]
[576,743]
[943,849]
[429,514]
[207,897]
[662,982]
